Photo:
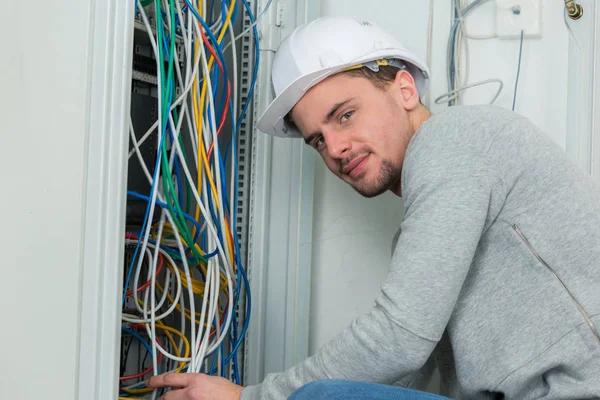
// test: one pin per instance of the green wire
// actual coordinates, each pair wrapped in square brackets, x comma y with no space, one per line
[188,192]
[170,193]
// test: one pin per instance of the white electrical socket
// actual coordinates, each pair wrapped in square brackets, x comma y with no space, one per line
[512,16]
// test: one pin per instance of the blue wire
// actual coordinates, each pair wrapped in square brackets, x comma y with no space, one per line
[137,247]
[138,337]
[236,372]
[235,13]
[166,206]
[152,188]
[242,272]
[214,361]
[245,108]
[187,216]
[245,328]
[214,216]
[212,37]
[175,251]
[241,269]
[518,72]
[231,146]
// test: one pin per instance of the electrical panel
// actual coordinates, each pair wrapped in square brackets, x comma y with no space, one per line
[185,288]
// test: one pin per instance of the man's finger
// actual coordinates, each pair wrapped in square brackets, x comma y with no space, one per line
[170,380]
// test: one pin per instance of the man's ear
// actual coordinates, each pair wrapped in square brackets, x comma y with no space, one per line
[405,90]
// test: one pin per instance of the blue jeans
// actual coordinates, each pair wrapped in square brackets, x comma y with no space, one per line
[348,390]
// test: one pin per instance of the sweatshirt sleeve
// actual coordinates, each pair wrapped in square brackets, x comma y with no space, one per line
[448,200]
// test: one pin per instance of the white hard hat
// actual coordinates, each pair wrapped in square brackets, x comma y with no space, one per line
[321,48]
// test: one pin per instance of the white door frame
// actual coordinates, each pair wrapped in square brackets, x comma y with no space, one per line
[109,88]
[583,116]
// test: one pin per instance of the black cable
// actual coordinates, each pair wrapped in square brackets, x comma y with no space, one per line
[125,355]
[518,72]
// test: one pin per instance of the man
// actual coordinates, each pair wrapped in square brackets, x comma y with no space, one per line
[495,273]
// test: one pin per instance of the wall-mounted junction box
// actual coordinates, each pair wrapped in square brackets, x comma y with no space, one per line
[514,16]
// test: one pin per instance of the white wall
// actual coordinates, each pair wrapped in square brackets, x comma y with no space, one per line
[351,235]
[43,100]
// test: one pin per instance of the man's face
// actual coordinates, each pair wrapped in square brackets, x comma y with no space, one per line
[360,131]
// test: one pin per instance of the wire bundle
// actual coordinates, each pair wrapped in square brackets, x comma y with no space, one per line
[185,279]
[457,82]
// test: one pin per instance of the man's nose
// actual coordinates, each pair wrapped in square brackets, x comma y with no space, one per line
[338,144]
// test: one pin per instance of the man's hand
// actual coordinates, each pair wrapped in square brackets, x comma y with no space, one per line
[195,387]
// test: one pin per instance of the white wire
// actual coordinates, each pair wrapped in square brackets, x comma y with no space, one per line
[132,318]
[462,79]
[180,246]
[152,329]
[210,225]
[212,230]
[190,76]
[154,126]
[151,261]
[449,96]
[217,165]
[215,142]
[184,108]
[205,300]
[245,32]
[201,345]
[153,300]
[154,191]
[136,279]
[213,301]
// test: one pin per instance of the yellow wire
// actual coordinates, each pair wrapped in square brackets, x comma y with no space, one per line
[187,311]
[197,113]
[197,285]
[182,364]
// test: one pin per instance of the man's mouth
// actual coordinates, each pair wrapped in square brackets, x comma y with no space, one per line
[355,167]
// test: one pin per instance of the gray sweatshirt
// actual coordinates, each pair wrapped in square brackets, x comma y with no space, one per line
[495,275]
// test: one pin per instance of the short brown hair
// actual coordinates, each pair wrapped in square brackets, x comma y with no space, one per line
[381,79]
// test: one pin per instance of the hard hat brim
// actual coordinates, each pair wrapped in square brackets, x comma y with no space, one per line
[273,122]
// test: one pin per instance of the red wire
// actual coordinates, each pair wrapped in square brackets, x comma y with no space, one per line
[146,371]
[210,150]
[214,54]
[145,285]
[131,236]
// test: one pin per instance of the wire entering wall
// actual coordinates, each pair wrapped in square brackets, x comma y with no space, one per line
[456,76]
[184,278]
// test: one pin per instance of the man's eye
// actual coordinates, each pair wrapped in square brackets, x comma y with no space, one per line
[346,116]
[319,142]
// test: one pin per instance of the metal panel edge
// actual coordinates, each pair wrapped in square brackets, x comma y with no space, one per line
[109,81]
[279,260]
[581,86]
